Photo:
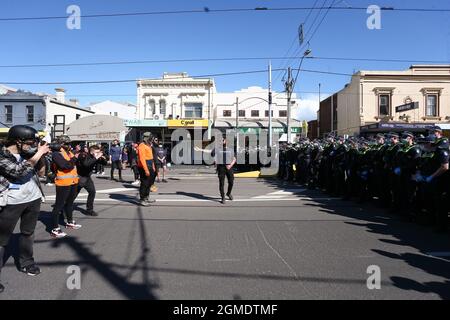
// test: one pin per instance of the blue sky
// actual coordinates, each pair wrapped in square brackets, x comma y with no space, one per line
[404,35]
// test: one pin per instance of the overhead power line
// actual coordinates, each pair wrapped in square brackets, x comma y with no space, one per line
[195,77]
[229,10]
[389,80]
[100,63]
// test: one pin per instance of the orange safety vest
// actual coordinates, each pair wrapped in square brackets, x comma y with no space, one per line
[66,178]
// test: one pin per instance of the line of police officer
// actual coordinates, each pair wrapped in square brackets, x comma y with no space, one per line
[406,173]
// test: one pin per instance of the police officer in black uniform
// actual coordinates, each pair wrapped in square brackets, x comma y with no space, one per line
[438,181]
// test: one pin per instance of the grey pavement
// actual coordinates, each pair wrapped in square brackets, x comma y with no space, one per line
[275,241]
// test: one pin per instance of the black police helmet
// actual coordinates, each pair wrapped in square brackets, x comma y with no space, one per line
[22,133]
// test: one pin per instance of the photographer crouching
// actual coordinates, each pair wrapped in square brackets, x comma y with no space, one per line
[20,192]
[88,159]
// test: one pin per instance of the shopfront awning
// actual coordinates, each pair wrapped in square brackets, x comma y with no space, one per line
[262,124]
[99,128]
[396,127]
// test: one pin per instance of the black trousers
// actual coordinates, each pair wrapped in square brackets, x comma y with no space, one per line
[9,216]
[65,197]
[223,172]
[88,184]
[135,171]
[99,168]
[146,183]
[116,165]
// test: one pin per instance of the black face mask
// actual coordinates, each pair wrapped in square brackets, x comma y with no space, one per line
[27,154]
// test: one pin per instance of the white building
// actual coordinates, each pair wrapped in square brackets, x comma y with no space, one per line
[123,110]
[168,101]
[174,96]
[5,89]
[44,112]
[252,104]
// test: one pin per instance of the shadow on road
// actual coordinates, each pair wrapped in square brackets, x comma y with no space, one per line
[89,260]
[407,235]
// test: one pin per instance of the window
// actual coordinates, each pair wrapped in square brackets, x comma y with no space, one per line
[152,106]
[227,113]
[8,114]
[255,113]
[115,114]
[30,113]
[384,104]
[267,113]
[193,110]
[77,116]
[282,113]
[162,107]
[242,113]
[432,105]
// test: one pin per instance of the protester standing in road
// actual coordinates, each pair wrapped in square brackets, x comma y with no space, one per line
[115,159]
[225,160]
[87,160]
[146,167]
[133,160]
[21,193]
[161,162]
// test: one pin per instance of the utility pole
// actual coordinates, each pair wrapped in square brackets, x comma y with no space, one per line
[270,104]
[289,88]
[237,124]
[209,110]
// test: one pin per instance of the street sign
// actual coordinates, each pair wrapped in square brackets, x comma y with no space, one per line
[407,107]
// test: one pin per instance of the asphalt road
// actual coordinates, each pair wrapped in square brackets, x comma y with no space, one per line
[274,241]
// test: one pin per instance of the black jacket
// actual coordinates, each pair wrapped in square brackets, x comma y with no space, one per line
[86,163]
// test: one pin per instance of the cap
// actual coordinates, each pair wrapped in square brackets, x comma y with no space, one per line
[436,128]
[427,139]
[147,135]
[407,134]
[380,136]
[393,135]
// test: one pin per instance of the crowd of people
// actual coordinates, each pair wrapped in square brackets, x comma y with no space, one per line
[406,173]
[25,159]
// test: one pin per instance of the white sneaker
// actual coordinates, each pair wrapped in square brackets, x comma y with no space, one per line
[57,233]
[73,225]
[103,173]
[136,183]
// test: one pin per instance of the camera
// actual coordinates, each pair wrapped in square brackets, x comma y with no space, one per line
[53,146]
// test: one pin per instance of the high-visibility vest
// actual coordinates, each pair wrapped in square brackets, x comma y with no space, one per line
[66,177]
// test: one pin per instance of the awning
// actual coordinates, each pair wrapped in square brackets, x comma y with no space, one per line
[99,128]
[6,130]
[396,127]
[276,123]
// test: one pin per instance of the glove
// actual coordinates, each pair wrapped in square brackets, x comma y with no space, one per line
[419,178]
[398,171]
[428,179]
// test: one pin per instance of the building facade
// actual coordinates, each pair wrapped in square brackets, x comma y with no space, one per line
[378,101]
[327,115]
[177,100]
[123,110]
[313,129]
[47,113]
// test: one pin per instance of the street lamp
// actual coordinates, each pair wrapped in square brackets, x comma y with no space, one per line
[289,85]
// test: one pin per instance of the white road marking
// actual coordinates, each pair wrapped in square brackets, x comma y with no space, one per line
[439,254]
[280,194]
[130,200]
